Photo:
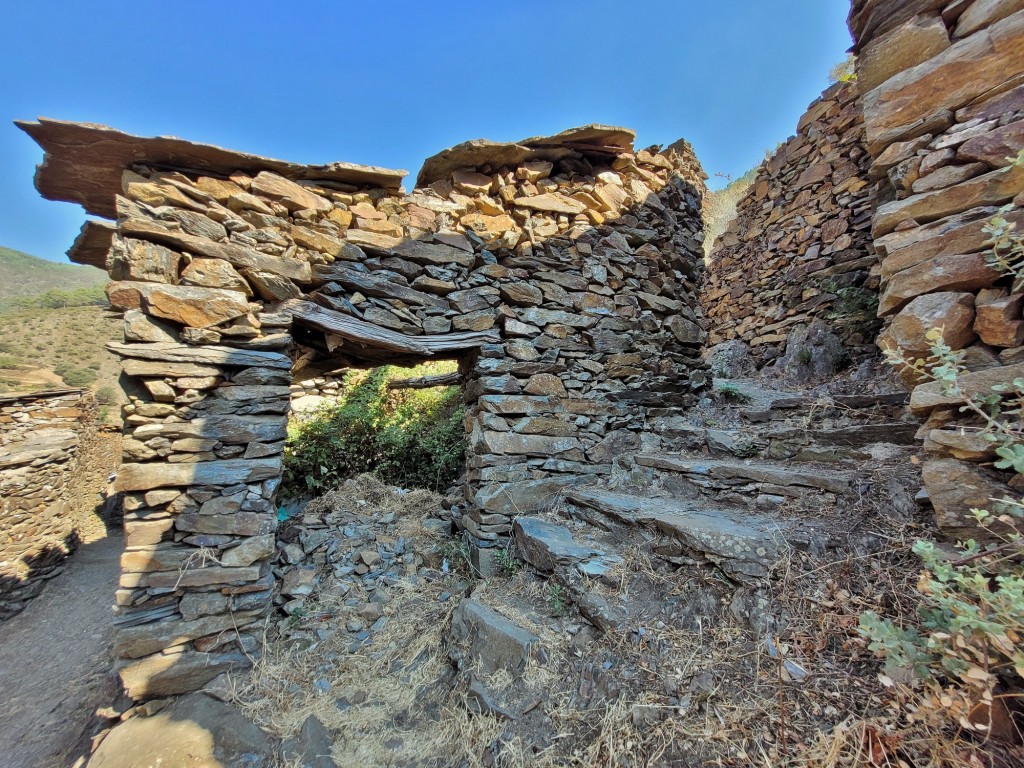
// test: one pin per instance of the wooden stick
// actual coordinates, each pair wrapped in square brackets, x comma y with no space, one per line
[426,382]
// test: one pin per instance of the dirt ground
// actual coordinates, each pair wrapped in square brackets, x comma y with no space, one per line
[55,661]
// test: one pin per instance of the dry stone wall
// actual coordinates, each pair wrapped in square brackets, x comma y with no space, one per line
[561,272]
[944,111]
[800,246]
[40,436]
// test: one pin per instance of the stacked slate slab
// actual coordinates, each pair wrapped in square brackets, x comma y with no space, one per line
[943,118]
[40,439]
[799,248]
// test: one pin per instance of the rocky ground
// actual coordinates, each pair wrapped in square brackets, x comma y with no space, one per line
[55,662]
[700,608]
[696,613]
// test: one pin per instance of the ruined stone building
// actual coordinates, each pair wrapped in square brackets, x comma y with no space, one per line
[560,272]
[566,276]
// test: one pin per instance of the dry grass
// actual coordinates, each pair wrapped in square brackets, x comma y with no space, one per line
[682,682]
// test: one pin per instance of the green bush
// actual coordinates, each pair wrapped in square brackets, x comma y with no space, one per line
[73,376]
[57,298]
[106,395]
[7,361]
[410,438]
[966,638]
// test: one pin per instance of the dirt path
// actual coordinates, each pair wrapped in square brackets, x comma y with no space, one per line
[55,661]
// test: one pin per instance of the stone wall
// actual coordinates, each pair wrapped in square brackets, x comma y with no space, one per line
[800,246]
[40,436]
[561,272]
[309,395]
[943,97]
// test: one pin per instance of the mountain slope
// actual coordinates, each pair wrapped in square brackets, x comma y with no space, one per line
[23,275]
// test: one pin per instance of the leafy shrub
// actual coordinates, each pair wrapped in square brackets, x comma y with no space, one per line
[7,361]
[56,298]
[729,391]
[106,395]
[845,71]
[73,376]
[409,438]
[967,637]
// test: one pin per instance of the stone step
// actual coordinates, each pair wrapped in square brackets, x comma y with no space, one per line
[843,445]
[744,545]
[547,546]
[783,407]
[826,479]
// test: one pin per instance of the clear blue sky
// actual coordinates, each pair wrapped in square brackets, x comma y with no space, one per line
[390,83]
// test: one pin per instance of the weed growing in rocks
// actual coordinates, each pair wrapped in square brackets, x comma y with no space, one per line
[729,391]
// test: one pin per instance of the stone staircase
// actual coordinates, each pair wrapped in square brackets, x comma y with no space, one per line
[738,486]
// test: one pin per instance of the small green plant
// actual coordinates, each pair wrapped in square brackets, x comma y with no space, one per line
[455,556]
[805,356]
[967,636]
[557,600]
[845,71]
[729,391]
[8,362]
[106,395]
[1007,246]
[745,449]
[508,564]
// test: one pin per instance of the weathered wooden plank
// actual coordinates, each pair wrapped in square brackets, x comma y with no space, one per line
[426,382]
[373,336]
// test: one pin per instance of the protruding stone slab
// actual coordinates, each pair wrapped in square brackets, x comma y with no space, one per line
[834,481]
[84,162]
[742,544]
[546,545]
[490,641]
[207,355]
[144,477]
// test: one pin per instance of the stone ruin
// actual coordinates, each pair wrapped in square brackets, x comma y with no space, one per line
[884,193]
[561,273]
[800,246]
[40,439]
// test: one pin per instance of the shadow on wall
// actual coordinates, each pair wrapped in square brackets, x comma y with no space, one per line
[34,569]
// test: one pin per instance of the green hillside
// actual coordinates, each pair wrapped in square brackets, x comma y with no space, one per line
[24,277]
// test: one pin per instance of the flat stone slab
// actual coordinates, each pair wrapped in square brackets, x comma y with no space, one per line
[724,469]
[192,731]
[545,545]
[721,535]
[491,641]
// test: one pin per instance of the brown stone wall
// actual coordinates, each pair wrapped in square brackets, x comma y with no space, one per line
[560,272]
[800,246]
[40,436]
[944,111]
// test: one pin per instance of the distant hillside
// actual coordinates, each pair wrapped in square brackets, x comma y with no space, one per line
[720,207]
[25,277]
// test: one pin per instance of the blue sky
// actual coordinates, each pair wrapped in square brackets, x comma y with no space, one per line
[392,83]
